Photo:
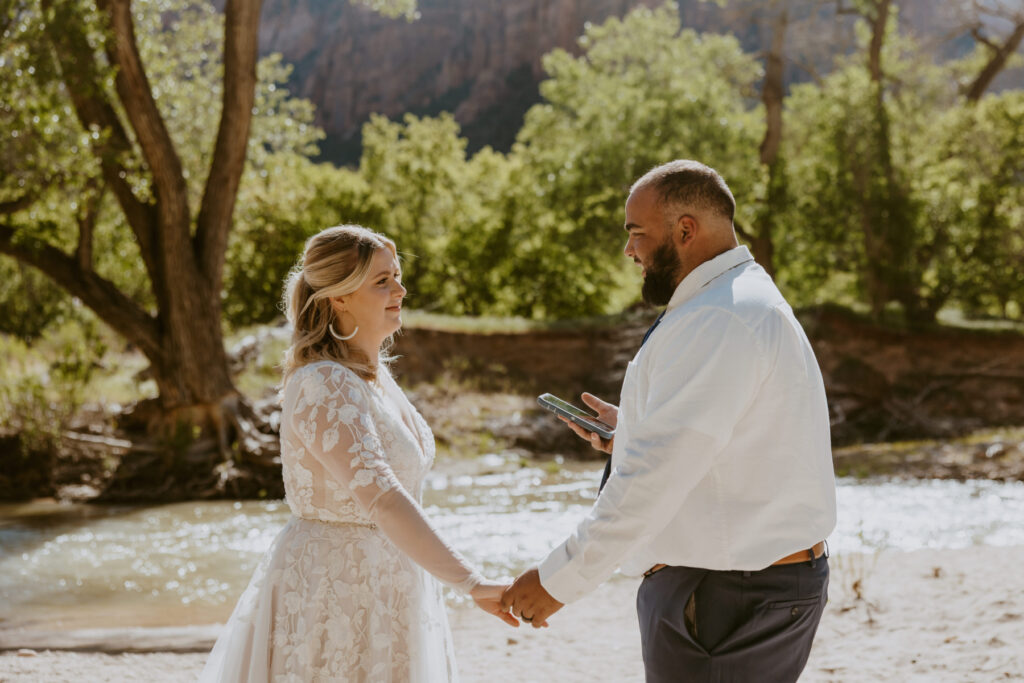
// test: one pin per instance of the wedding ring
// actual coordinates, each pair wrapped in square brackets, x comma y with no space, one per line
[527,618]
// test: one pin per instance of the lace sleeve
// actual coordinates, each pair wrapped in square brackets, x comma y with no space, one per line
[332,418]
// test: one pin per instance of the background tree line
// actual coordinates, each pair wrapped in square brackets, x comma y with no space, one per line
[890,181]
[158,174]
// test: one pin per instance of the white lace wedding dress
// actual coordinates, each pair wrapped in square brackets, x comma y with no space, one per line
[342,595]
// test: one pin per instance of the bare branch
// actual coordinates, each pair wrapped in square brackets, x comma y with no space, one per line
[136,96]
[743,233]
[982,38]
[99,294]
[810,69]
[995,65]
[15,205]
[240,54]
[82,77]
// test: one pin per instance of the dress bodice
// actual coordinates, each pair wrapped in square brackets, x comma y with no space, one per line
[343,437]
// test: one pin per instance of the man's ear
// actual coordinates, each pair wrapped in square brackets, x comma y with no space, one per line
[685,230]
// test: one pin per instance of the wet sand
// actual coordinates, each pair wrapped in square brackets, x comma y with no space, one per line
[946,615]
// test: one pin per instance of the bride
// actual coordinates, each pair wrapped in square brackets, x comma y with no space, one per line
[347,590]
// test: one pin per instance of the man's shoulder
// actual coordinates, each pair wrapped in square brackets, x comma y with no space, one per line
[749,296]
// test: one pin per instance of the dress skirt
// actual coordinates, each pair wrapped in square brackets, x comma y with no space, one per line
[335,602]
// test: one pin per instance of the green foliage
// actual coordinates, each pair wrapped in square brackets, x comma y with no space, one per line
[972,189]
[52,161]
[903,193]
[280,206]
[29,302]
[42,387]
[537,233]
[610,115]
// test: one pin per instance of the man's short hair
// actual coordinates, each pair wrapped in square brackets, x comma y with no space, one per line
[684,182]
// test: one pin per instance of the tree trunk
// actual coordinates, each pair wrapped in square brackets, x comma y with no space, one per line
[183,339]
[772,94]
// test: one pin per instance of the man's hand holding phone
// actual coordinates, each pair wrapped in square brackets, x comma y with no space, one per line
[606,412]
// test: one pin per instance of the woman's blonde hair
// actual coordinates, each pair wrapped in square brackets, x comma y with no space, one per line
[335,262]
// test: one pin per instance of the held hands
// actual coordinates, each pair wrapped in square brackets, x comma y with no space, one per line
[487,596]
[527,599]
[606,412]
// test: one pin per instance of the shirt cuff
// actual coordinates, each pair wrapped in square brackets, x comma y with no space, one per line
[559,577]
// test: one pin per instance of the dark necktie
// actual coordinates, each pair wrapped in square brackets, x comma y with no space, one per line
[608,462]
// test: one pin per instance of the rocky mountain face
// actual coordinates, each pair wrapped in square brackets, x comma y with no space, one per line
[481,59]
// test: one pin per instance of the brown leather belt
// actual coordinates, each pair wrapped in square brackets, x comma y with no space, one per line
[812,553]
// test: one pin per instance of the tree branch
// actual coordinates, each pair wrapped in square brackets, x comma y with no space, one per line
[82,78]
[15,205]
[981,38]
[995,64]
[136,96]
[87,226]
[744,234]
[99,294]
[878,23]
[241,28]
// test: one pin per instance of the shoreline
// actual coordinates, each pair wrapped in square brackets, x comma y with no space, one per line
[924,615]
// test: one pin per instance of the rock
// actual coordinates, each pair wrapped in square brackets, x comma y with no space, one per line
[480,59]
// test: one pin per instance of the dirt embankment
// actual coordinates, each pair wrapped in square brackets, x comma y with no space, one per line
[883,384]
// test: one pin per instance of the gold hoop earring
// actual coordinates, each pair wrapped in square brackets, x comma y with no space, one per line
[334,333]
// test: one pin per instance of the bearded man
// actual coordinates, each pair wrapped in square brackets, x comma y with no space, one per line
[720,488]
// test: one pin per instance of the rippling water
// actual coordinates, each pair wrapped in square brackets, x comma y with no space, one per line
[74,566]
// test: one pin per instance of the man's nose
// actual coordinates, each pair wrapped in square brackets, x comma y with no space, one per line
[628,249]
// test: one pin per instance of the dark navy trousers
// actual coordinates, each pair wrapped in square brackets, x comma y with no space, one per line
[742,627]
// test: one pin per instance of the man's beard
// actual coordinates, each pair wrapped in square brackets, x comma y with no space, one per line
[662,275]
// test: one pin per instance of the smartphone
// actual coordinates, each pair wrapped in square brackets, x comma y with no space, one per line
[581,417]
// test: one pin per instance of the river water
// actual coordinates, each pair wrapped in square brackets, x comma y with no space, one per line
[76,566]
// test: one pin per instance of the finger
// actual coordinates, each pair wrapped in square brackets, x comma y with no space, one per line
[508,619]
[593,401]
[580,431]
[506,599]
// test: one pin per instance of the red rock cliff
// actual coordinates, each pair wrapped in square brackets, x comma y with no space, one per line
[477,58]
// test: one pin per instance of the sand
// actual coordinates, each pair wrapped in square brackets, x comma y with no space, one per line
[930,615]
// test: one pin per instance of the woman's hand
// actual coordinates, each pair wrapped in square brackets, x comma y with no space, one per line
[487,596]
[606,412]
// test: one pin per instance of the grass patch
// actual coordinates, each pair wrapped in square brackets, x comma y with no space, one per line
[423,320]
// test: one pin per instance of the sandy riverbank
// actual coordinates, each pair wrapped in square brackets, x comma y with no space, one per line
[950,615]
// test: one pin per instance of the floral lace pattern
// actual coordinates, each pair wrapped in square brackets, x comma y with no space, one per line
[342,594]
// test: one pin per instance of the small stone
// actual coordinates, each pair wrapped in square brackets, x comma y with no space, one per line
[513,641]
[25,652]
[995,450]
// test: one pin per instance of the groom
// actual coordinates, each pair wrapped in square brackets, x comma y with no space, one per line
[721,489]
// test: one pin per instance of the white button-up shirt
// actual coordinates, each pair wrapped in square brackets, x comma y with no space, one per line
[722,456]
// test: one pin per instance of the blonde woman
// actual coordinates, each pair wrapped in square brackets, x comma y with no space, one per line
[347,590]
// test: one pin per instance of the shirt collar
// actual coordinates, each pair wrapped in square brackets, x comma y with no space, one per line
[706,272]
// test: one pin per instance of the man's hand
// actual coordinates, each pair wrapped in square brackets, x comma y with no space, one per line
[529,601]
[606,412]
[487,597]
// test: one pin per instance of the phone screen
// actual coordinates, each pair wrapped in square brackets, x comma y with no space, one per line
[570,408]
[588,421]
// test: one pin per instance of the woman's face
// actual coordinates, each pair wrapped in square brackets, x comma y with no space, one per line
[376,307]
